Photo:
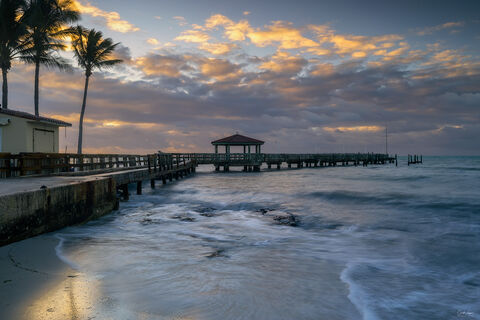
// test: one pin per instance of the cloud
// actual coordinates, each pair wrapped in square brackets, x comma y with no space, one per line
[246,13]
[153,41]
[446,25]
[234,31]
[354,129]
[163,65]
[283,62]
[220,69]
[359,46]
[217,48]
[180,20]
[194,36]
[281,33]
[111,18]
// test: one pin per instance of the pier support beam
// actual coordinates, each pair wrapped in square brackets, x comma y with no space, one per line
[125,194]
[139,187]
[152,183]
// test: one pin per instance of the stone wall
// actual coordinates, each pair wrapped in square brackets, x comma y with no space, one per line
[31,213]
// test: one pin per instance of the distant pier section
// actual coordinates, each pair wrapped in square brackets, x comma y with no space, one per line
[252,158]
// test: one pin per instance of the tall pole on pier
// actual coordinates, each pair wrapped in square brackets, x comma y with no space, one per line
[386,141]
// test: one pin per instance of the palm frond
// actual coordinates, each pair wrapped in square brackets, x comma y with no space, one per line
[92,51]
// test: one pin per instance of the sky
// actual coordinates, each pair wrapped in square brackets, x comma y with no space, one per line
[304,76]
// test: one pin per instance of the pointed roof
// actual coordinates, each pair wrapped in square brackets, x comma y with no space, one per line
[32,117]
[238,139]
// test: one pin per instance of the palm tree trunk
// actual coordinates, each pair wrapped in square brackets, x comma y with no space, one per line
[37,71]
[80,126]
[4,89]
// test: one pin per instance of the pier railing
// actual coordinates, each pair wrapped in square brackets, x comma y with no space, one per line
[27,164]
[269,158]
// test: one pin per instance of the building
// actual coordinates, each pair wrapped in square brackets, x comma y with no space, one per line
[25,132]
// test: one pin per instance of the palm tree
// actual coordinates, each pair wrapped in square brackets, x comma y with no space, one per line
[92,52]
[12,32]
[47,22]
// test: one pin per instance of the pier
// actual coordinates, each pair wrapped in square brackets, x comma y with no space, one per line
[42,192]
[254,161]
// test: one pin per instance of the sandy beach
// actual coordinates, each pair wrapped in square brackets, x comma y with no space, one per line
[36,284]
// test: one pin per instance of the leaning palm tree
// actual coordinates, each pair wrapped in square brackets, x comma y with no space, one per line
[12,37]
[92,52]
[47,22]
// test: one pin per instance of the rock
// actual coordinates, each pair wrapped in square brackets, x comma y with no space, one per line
[217,253]
[208,214]
[263,211]
[287,220]
[184,218]
[205,210]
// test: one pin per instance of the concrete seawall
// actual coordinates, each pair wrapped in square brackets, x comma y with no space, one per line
[29,213]
[34,205]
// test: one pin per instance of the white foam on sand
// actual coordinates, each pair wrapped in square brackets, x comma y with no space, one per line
[61,255]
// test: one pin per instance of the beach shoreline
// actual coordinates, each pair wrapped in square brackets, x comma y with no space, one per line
[36,284]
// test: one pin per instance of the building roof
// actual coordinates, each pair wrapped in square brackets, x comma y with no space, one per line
[33,117]
[238,139]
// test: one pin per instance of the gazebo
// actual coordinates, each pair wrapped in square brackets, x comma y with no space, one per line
[250,161]
[239,140]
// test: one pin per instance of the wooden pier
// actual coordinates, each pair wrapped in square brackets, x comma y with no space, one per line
[414,159]
[253,161]
[44,192]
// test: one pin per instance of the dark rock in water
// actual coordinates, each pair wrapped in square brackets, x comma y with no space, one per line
[205,210]
[263,211]
[287,220]
[146,221]
[184,218]
[215,254]
[208,214]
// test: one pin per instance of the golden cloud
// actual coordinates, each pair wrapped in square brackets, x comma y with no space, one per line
[194,36]
[105,123]
[354,129]
[283,33]
[217,48]
[219,69]
[233,31]
[283,62]
[112,18]
[159,65]
[322,69]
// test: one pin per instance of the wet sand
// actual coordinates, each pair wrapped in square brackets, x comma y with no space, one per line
[36,284]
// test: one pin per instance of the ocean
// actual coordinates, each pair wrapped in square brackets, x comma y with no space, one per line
[381,242]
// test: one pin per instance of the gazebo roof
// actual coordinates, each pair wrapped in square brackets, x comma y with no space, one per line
[237,139]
